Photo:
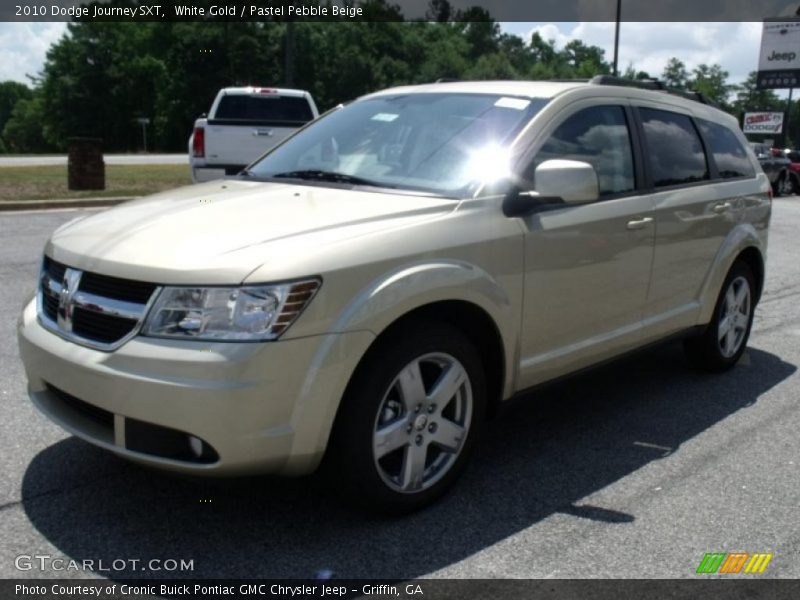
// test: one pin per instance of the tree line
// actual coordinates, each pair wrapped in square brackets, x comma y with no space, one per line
[99,78]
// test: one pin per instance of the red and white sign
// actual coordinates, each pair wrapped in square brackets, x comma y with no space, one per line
[763,122]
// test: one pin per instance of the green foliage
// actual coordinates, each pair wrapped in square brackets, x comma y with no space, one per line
[711,81]
[750,98]
[100,77]
[631,73]
[25,129]
[11,92]
[675,74]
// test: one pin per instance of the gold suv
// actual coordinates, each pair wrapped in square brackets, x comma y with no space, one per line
[368,291]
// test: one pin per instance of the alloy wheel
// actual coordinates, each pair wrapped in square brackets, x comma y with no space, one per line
[735,317]
[422,422]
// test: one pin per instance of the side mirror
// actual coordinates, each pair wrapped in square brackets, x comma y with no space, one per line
[556,182]
[573,181]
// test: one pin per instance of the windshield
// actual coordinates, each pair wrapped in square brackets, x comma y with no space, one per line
[433,142]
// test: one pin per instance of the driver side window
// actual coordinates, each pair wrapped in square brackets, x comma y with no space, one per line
[599,136]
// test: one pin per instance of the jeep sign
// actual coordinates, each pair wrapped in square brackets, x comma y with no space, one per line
[779,62]
[762,122]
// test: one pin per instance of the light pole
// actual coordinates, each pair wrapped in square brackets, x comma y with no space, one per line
[616,37]
[144,122]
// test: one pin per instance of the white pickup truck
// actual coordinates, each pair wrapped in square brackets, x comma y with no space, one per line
[243,123]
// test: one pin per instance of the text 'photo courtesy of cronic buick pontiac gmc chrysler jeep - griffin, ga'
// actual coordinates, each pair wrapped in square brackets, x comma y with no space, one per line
[363,295]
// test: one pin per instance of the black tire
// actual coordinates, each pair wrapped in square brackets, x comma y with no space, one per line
[374,401]
[777,186]
[709,351]
[791,186]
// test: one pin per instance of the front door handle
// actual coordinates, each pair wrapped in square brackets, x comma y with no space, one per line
[721,207]
[639,223]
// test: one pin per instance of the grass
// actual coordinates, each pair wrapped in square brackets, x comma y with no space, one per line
[50,182]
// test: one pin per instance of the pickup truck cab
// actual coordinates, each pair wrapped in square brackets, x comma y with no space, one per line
[244,123]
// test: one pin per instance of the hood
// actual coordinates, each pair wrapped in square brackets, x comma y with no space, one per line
[221,231]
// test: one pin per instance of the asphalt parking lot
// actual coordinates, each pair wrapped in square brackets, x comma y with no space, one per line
[633,470]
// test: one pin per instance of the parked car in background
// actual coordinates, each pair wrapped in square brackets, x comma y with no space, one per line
[776,166]
[375,287]
[243,123]
[794,169]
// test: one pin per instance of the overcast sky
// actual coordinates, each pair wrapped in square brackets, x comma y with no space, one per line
[647,46]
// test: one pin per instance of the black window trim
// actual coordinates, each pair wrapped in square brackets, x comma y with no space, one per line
[646,152]
[638,166]
[710,154]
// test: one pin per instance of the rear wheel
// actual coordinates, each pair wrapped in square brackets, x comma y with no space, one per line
[790,186]
[778,185]
[723,342]
[409,420]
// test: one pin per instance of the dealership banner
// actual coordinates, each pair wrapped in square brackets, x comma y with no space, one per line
[419,589]
[762,122]
[391,10]
[779,60]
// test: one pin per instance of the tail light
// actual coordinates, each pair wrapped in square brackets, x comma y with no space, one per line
[199,142]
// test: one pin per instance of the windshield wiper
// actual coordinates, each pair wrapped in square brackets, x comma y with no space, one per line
[319,175]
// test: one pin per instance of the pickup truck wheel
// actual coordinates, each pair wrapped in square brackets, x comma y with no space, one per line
[409,419]
[723,342]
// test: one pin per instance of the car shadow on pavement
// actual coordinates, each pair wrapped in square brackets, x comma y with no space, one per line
[536,459]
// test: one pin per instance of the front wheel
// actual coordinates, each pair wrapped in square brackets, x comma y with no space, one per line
[409,419]
[723,342]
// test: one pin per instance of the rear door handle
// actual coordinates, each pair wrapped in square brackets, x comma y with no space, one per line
[721,207]
[639,223]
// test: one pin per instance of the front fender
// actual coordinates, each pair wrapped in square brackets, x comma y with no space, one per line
[414,285]
[370,312]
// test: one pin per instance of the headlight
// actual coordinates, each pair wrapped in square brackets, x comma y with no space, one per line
[252,312]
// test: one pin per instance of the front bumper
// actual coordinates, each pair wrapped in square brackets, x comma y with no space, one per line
[258,407]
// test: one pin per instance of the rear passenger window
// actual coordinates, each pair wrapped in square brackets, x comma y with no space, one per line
[600,137]
[674,148]
[728,152]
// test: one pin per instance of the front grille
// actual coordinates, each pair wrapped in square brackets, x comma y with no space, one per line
[50,306]
[54,269]
[99,327]
[119,289]
[101,312]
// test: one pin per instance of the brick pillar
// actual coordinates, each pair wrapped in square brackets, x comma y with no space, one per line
[85,167]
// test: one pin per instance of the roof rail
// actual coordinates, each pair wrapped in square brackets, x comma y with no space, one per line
[652,84]
[446,80]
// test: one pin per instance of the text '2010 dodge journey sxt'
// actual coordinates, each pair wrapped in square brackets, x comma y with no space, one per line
[369,290]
